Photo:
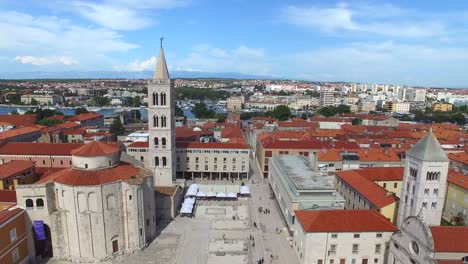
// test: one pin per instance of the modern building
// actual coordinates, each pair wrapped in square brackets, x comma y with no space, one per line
[442,107]
[298,186]
[419,243]
[16,245]
[398,107]
[16,172]
[327,96]
[41,99]
[161,123]
[341,236]
[98,208]
[424,181]
[416,95]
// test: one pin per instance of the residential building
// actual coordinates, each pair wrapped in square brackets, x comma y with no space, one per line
[16,245]
[7,199]
[366,107]
[459,161]
[398,107]
[327,96]
[41,99]
[456,201]
[19,120]
[298,186]
[424,181]
[234,103]
[331,122]
[419,243]
[442,107]
[331,161]
[161,124]
[341,236]
[91,119]
[22,134]
[361,193]
[16,172]
[416,95]
[98,208]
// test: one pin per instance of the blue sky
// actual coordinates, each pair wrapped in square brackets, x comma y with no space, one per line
[398,42]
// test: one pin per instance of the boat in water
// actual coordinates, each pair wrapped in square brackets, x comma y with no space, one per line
[93,109]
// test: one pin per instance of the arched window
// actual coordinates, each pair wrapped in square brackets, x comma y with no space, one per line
[155,121]
[163,98]
[92,202]
[163,142]
[40,203]
[156,141]
[163,121]
[110,202]
[164,161]
[155,98]
[156,161]
[29,204]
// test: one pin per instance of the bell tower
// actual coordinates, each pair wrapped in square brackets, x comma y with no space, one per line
[161,123]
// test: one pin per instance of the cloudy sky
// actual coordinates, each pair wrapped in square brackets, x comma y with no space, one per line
[399,42]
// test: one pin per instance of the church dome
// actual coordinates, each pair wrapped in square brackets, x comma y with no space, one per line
[96,155]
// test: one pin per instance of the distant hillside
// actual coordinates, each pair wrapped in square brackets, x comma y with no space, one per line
[125,75]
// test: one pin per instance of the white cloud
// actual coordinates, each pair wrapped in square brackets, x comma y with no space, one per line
[33,60]
[144,65]
[384,20]
[123,14]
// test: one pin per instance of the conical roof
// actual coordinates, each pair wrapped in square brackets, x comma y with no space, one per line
[428,149]
[161,73]
[95,148]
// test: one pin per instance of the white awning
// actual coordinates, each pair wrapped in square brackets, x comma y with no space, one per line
[244,190]
[231,195]
[221,195]
[201,194]
[211,194]
[187,209]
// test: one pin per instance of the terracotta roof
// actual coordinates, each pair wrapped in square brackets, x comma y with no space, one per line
[139,144]
[75,177]
[231,131]
[461,157]
[450,238]
[369,190]
[9,213]
[14,167]
[330,119]
[302,123]
[79,131]
[95,148]
[307,144]
[344,221]
[85,116]
[18,132]
[56,117]
[8,196]
[19,120]
[213,145]
[166,190]
[382,173]
[458,178]
[27,148]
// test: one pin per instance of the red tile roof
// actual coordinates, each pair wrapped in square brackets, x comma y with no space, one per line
[369,190]
[302,123]
[8,196]
[5,215]
[231,132]
[344,221]
[450,238]
[74,177]
[85,116]
[95,148]
[14,167]
[27,148]
[461,157]
[19,120]
[139,144]
[79,131]
[458,178]
[18,132]
[213,145]
[382,173]
[56,117]
[307,144]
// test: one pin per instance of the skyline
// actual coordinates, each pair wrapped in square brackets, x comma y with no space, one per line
[418,43]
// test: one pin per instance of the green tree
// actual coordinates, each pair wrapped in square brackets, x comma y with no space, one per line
[179,111]
[333,110]
[49,122]
[458,118]
[101,101]
[356,121]
[117,128]
[14,112]
[281,112]
[221,118]
[201,111]
[34,102]
[81,110]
